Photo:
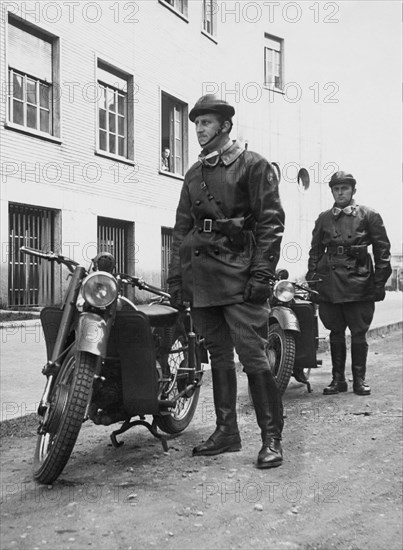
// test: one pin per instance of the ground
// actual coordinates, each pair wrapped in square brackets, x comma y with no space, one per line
[339,486]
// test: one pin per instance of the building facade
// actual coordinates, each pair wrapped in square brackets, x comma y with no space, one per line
[95,137]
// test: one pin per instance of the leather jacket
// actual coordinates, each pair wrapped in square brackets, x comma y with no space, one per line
[339,255]
[220,242]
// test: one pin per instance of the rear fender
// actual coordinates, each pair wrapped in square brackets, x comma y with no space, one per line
[92,334]
[285,317]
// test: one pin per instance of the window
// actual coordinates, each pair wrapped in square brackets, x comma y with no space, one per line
[113,237]
[273,62]
[179,5]
[33,74]
[30,280]
[115,112]
[173,133]
[210,16]
[166,247]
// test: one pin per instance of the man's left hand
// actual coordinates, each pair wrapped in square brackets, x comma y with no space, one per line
[256,292]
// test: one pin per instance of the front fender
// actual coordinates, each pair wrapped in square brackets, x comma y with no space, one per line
[285,317]
[92,334]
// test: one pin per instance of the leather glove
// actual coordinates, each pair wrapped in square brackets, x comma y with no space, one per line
[379,294]
[176,299]
[256,292]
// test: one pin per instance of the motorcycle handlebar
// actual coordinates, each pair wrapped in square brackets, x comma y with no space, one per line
[143,285]
[50,256]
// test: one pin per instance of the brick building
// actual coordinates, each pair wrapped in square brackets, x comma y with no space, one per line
[92,93]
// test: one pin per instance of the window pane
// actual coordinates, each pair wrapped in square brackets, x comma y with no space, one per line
[44,120]
[112,123]
[121,126]
[111,100]
[31,116]
[44,95]
[121,104]
[112,143]
[31,91]
[17,86]
[102,140]
[102,119]
[102,97]
[18,112]
[121,142]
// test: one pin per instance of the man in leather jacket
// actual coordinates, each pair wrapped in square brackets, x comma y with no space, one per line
[226,245]
[349,286]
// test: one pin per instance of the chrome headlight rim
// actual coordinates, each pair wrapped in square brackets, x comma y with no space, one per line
[284,291]
[104,284]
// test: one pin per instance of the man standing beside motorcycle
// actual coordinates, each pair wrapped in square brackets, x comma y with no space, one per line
[226,245]
[349,286]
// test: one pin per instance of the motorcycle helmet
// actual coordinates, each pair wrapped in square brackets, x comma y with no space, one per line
[342,177]
[210,103]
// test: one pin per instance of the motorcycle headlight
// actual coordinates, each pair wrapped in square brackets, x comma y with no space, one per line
[284,291]
[99,289]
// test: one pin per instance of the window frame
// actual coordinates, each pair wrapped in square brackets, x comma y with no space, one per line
[213,33]
[128,103]
[174,101]
[182,13]
[54,85]
[271,85]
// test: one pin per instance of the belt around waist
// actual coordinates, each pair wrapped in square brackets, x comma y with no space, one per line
[342,250]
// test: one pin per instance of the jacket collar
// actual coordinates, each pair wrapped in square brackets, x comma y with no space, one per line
[228,154]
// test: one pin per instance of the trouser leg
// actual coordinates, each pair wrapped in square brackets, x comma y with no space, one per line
[359,317]
[248,325]
[211,324]
[332,316]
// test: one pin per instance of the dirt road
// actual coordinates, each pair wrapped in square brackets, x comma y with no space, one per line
[339,486]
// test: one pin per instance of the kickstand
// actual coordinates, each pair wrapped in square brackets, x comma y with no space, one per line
[127,424]
[300,377]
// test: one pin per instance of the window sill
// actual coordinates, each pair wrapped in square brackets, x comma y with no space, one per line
[174,10]
[117,158]
[209,36]
[173,175]
[32,132]
[273,89]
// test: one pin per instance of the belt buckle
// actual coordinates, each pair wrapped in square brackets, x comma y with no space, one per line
[207,225]
[340,250]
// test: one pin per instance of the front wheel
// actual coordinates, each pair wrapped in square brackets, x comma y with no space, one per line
[175,380]
[62,422]
[280,353]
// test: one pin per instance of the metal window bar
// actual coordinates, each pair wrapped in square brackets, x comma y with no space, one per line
[31,282]
[166,247]
[112,238]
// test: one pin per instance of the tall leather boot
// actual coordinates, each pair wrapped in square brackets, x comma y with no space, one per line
[226,437]
[359,354]
[338,352]
[269,415]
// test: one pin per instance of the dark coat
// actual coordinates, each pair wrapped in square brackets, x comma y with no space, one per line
[213,268]
[348,273]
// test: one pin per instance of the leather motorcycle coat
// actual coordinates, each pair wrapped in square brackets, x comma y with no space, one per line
[229,226]
[339,255]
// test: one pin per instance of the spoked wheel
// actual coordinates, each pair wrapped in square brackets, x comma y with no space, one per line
[175,380]
[280,352]
[62,422]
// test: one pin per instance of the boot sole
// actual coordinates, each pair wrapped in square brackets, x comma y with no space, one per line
[362,393]
[230,449]
[335,392]
[269,465]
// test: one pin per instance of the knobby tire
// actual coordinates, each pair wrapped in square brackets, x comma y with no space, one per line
[79,376]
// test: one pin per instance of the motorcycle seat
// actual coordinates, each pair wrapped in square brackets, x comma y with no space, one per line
[159,315]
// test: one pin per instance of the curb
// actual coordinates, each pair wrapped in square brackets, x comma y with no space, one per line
[324,344]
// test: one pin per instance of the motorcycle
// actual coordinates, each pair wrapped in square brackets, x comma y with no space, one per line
[293,331]
[111,361]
